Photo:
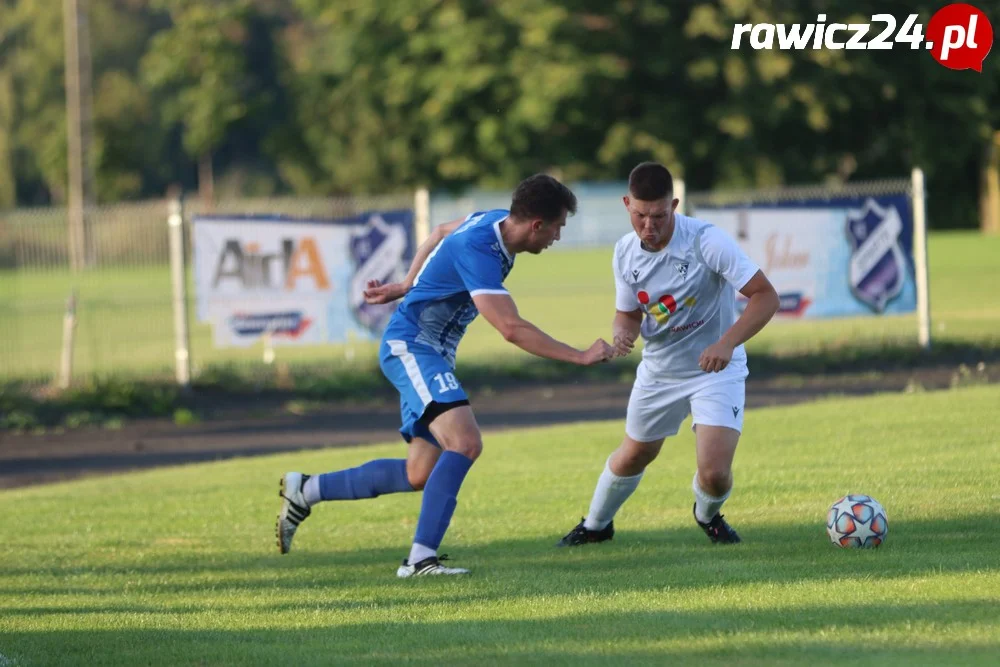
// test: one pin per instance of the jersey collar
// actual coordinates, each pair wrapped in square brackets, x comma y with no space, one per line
[503,248]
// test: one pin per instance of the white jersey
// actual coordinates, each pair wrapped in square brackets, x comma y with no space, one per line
[687,292]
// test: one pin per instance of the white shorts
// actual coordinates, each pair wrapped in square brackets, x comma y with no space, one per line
[657,407]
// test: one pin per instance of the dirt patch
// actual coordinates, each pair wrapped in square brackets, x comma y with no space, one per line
[50,457]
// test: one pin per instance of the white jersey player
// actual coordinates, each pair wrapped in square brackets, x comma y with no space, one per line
[675,284]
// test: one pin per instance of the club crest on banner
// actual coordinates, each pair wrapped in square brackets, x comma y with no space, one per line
[837,254]
[877,263]
[378,251]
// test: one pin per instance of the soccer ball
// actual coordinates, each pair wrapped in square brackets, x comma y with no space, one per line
[857,522]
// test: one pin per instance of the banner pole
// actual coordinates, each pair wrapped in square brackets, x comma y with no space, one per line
[422,215]
[920,259]
[178,275]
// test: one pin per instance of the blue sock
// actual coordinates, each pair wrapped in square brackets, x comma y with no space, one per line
[439,500]
[373,479]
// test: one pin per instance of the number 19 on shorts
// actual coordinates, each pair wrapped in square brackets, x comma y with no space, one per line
[446,382]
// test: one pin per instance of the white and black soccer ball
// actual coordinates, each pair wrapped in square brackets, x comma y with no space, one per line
[857,522]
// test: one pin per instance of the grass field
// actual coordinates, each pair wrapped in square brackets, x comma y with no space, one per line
[178,566]
[126,326]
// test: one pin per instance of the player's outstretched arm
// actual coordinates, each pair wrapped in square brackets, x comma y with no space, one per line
[625,331]
[500,311]
[376,292]
[763,304]
[761,308]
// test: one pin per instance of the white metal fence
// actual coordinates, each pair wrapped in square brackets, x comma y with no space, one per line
[124,320]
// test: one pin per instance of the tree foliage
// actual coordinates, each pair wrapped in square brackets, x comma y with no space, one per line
[318,97]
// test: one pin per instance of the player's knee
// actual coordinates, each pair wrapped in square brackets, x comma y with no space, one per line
[470,447]
[636,460]
[716,480]
[630,461]
[417,477]
[468,442]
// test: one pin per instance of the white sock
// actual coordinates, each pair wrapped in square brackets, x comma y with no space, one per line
[609,495]
[418,552]
[706,506]
[310,490]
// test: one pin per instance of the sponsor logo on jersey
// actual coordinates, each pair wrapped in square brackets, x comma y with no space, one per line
[664,307]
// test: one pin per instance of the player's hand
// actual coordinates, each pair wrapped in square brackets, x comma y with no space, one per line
[377,293]
[715,357]
[623,345]
[598,352]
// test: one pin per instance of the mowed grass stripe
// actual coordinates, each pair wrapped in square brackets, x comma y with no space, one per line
[178,566]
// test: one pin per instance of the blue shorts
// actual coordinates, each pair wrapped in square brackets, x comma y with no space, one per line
[421,376]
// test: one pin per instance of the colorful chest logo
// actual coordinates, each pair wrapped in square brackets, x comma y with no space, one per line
[665,307]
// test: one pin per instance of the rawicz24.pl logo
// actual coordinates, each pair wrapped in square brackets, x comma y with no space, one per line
[959,36]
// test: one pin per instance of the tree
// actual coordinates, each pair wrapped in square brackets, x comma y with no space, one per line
[198,67]
[129,133]
[8,189]
[319,97]
[32,60]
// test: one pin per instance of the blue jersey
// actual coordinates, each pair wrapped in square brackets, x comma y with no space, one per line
[471,260]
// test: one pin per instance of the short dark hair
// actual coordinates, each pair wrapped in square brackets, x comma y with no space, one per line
[541,196]
[650,181]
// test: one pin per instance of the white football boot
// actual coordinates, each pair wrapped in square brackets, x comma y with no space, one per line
[428,566]
[294,509]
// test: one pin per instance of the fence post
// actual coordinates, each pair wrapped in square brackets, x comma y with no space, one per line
[679,193]
[422,215]
[178,275]
[920,258]
[990,200]
[69,335]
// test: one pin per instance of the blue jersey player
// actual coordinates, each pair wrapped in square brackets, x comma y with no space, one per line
[456,274]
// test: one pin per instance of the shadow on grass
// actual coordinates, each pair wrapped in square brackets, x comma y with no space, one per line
[526,602]
[678,558]
[817,634]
